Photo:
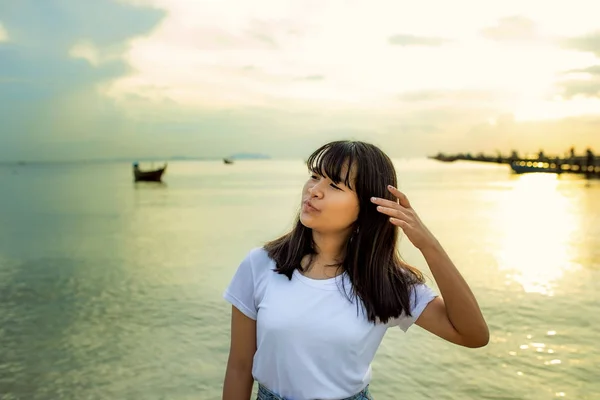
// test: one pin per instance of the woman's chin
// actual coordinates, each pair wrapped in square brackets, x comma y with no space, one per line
[307,221]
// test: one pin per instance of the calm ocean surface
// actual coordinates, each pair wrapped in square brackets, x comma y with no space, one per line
[112,290]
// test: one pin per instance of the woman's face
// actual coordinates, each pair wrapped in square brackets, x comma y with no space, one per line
[328,207]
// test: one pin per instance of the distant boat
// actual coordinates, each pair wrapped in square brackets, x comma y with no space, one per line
[228,160]
[154,175]
[521,167]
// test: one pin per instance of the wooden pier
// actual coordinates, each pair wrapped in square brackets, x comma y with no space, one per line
[588,165]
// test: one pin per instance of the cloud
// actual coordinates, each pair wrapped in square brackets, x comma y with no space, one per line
[586,43]
[3,34]
[274,32]
[580,83]
[511,29]
[208,78]
[437,110]
[50,72]
[199,72]
[413,40]
[593,70]
[313,78]
[88,51]
[456,96]
[581,88]
[206,38]
[554,136]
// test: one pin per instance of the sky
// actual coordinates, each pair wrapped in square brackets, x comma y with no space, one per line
[209,78]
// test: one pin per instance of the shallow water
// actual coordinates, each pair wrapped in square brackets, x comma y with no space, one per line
[110,289]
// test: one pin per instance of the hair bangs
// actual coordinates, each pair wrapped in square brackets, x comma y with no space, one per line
[335,161]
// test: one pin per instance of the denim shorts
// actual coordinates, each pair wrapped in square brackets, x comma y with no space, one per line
[266,394]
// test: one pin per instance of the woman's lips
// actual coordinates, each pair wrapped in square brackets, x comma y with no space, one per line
[308,207]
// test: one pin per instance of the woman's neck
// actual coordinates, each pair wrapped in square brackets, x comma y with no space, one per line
[330,248]
[330,253]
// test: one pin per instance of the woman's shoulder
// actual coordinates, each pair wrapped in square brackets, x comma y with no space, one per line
[258,260]
[258,254]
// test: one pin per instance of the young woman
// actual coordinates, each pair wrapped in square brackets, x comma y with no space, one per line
[310,309]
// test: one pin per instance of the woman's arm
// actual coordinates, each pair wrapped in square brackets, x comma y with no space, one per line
[455,316]
[238,377]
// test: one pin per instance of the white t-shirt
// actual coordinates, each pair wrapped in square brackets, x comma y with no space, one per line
[311,342]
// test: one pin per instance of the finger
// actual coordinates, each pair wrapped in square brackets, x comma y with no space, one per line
[386,202]
[392,212]
[401,196]
[398,222]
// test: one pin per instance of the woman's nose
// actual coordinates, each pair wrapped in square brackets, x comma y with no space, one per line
[315,191]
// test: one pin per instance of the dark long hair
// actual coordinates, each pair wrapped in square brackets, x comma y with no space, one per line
[379,277]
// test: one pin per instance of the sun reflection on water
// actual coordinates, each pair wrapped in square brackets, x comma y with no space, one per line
[537,222]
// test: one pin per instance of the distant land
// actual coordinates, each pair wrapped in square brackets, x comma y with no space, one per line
[250,156]
[237,156]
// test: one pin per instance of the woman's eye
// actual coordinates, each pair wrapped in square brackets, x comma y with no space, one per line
[314,177]
[335,187]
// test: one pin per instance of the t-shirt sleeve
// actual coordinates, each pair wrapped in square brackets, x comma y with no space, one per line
[241,290]
[421,295]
